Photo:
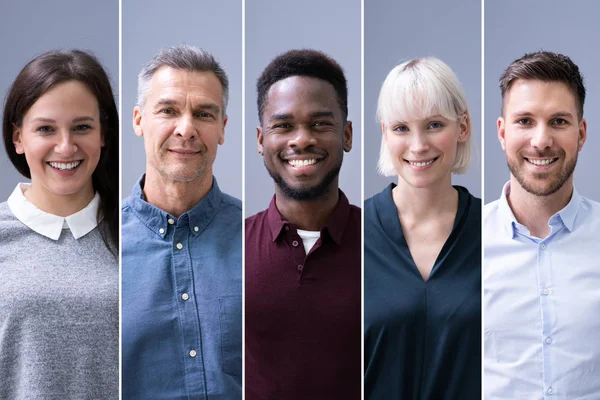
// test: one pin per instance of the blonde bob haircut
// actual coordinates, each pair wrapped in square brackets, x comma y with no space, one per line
[421,88]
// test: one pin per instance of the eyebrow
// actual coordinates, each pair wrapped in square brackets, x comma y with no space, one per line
[286,116]
[558,114]
[50,120]
[203,106]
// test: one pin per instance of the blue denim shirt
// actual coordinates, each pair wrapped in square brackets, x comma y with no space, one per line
[182,299]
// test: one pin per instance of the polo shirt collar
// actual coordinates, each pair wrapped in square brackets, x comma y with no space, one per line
[80,224]
[157,220]
[334,227]
[567,215]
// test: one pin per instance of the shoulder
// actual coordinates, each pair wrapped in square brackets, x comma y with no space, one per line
[233,202]
[255,220]
[491,209]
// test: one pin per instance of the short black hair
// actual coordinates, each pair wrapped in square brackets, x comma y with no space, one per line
[306,62]
[548,67]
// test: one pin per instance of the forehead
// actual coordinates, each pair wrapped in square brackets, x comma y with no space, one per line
[68,98]
[541,97]
[168,81]
[301,94]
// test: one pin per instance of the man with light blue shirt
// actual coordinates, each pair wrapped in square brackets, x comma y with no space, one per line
[182,242]
[541,238]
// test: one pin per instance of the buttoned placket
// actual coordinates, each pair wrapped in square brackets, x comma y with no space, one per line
[298,253]
[187,307]
[548,312]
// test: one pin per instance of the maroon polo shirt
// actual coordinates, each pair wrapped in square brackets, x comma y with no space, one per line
[303,314]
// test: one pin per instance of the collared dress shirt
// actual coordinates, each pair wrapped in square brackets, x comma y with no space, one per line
[303,314]
[59,304]
[181,299]
[542,304]
[422,338]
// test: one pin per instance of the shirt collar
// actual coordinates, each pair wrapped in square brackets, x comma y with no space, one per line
[335,225]
[50,225]
[566,215]
[157,220]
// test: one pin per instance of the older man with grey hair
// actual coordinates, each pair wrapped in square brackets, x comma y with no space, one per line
[182,274]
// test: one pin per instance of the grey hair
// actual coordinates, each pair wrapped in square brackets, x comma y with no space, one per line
[418,88]
[185,57]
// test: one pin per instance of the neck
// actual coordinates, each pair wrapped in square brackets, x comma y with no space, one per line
[309,215]
[57,204]
[419,204]
[175,197]
[533,211]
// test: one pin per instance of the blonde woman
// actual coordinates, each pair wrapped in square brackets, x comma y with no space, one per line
[423,244]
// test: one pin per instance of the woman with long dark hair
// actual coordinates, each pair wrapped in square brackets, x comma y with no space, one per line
[59,235]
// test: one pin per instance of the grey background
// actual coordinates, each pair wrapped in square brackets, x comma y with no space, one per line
[32,27]
[148,26]
[275,27]
[396,31]
[516,27]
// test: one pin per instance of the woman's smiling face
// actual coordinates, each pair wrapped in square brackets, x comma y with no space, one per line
[61,138]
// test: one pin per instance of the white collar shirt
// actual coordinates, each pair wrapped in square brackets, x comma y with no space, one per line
[50,225]
[542,304]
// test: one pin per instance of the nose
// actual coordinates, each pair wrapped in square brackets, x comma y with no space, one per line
[65,145]
[185,127]
[542,138]
[419,143]
[302,138]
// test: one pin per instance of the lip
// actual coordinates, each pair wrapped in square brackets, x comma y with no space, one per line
[65,172]
[425,163]
[542,167]
[183,152]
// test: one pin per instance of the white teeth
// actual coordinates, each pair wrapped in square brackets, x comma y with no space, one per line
[421,164]
[64,166]
[542,162]
[301,163]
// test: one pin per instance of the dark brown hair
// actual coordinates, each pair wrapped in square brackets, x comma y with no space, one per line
[548,67]
[35,79]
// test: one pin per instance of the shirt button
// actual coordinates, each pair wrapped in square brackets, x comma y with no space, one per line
[196,229]
[185,296]
[295,243]
[170,221]
[550,391]
[546,291]
[287,228]
[543,246]
[300,267]
[193,353]
[548,340]
[179,246]
[161,231]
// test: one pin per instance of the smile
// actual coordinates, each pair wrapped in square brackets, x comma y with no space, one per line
[541,163]
[302,163]
[64,166]
[421,163]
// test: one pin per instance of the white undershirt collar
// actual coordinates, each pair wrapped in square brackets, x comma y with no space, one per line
[50,225]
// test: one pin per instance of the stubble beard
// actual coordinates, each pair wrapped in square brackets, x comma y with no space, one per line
[554,186]
[306,193]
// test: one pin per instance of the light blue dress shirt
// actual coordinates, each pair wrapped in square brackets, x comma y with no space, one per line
[542,304]
[182,299]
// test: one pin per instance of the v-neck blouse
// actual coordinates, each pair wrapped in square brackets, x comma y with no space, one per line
[422,338]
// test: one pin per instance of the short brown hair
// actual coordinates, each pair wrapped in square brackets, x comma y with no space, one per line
[548,67]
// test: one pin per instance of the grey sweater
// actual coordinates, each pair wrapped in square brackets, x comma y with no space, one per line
[59,317]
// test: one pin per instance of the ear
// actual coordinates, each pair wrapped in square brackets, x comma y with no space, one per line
[500,124]
[222,135]
[582,133]
[465,127]
[16,137]
[348,136]
[137,121]
[259,139]
[383,132]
